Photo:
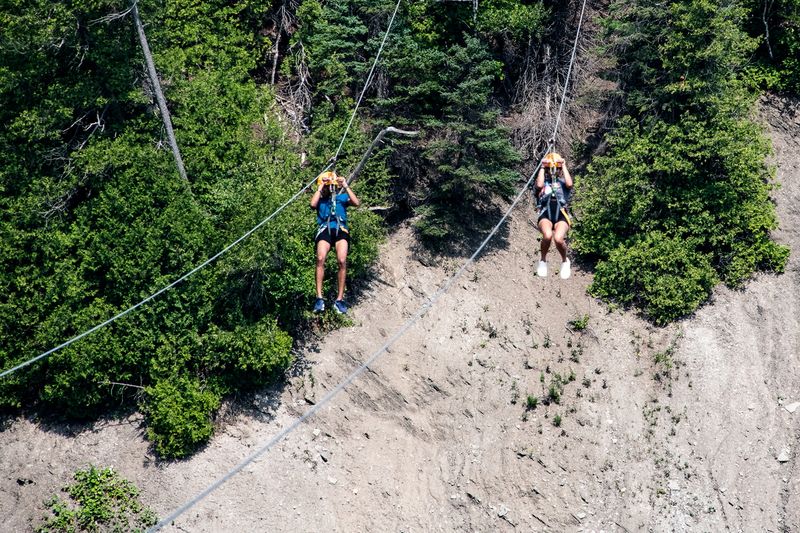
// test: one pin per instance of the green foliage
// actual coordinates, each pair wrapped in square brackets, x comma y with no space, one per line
[776,26]
[531,402]
[178,417]
[681,197]
[95,217]
[665,276]
[467,153]
[101,500]
[436,76]
[512,18]
[580,323]
[246,354]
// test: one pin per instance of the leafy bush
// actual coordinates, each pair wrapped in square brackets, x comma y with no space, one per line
[246,354]
[101,501]
[665,276]
[178,412]
[684,172]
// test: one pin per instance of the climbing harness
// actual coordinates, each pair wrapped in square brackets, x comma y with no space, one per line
[555,198]
[329,179]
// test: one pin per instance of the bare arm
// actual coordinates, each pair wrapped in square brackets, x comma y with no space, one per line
[567,176]
[354,201]
[540,180]
[315,198]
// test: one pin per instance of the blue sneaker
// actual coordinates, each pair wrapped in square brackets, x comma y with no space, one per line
[340,307]
[319,305]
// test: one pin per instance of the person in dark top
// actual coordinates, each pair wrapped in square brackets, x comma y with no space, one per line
[554,186]
[331,200]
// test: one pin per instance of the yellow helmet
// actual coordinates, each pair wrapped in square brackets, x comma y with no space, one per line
[553,160]
[326,178]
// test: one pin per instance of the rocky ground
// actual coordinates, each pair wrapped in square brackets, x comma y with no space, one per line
[694,427]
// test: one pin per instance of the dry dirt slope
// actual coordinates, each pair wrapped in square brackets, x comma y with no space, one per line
[436,436]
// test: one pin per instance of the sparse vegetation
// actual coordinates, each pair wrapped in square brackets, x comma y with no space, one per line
[579,324]
[100,500]
[556,388]
[531,402]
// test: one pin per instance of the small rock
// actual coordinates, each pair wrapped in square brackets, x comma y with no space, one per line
[581,515]
[325,455]
[316,432]
[502,511]
[454,496]
[751,407]
[792,407]
[722,490]
[332,480]
[355,490]
[783,457]
[674,485]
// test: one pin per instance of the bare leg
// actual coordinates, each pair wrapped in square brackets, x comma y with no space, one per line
[323,247]
[546,227]
[342,247]
[560,236]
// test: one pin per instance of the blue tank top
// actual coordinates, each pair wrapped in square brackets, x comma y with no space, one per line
[325,211]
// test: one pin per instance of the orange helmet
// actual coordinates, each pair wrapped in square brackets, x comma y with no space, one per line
[553,160]
[326,178]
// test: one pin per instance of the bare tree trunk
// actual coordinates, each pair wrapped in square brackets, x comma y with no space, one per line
[764,17]
[277,45]
[162,103]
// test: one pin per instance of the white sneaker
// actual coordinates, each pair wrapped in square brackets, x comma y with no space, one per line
[565,269]
[541,270]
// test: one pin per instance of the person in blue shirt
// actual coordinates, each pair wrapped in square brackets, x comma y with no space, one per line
[331,200]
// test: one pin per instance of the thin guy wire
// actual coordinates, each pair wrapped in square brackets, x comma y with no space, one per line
[369,80]
[162,290]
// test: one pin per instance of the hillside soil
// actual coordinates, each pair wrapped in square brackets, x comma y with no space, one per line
[691,427]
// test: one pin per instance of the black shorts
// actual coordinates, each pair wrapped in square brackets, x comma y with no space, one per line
[332,236]
[554,214]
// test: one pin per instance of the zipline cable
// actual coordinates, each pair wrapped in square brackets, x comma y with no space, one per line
[569,74]
[421,312]
[331,163]
[369,80]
